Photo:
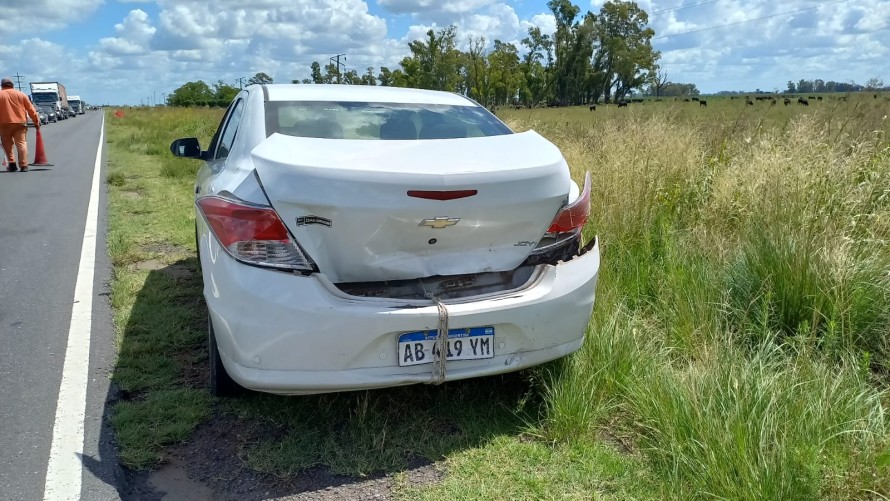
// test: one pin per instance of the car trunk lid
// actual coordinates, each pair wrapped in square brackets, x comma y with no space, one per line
[476,204]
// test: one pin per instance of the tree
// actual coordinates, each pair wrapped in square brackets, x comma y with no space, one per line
[385,77]
[434,63]
[673,89]
[477,71]
[316,73]
[224,93]
[351,78]
[804,86]
[260,78]
[535,74]
[399,78]
[368,78]
[505,75]
[191,94]
[874,84]
[791,87]
[566,46]
[624,56]
[659,79]
[331,74]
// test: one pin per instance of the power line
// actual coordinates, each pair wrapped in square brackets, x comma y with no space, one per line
[749,20]
[337,57]
[18,79]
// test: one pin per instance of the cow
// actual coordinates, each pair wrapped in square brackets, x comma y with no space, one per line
[592,107]
[702,102]
[695,99]
[686,100]
[819,98]
[787,101]
[622,104]
[749,102]
[811,97]
[803,102]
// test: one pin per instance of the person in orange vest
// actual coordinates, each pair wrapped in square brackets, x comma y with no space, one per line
[15,107]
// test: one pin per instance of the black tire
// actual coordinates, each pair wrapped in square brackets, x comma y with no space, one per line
[221,384]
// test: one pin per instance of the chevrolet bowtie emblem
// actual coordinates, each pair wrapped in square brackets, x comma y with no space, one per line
[440,222]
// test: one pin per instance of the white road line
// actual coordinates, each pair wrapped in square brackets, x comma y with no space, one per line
[64,470]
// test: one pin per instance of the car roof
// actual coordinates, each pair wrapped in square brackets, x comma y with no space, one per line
[362,93]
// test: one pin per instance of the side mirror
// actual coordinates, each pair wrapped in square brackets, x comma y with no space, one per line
[187,147]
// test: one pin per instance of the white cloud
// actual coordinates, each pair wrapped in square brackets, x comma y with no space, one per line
[763,44]
[497,21]
[18,16]
[546,22]
[161,44]
[135,34]
[433,6]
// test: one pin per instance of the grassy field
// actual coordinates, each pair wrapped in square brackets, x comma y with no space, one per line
[739,347]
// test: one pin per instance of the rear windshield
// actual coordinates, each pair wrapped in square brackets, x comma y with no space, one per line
[351,120]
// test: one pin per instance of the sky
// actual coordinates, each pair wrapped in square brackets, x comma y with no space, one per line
[138,51]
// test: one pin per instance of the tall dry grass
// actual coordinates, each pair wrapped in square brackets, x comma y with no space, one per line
[741,336]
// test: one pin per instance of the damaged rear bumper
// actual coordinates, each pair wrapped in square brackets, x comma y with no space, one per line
[291,334]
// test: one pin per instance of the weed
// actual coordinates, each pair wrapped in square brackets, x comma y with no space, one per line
[115,179]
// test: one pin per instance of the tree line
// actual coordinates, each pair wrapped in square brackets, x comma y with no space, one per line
[818,85]
[220,94]
[597,57]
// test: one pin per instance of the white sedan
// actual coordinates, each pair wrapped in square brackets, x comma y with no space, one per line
[355,237]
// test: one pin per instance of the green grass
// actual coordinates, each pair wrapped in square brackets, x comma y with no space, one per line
[738,348]
[156,293]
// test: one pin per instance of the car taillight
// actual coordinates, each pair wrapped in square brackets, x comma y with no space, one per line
[573,216]
[253,234]
[563,238]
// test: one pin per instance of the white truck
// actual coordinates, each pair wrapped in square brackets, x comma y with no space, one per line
[76,105]
[50,94]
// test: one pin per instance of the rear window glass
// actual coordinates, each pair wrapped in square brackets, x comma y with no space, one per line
[387,121]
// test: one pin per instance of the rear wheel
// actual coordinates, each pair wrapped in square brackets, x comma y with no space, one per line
[221,384]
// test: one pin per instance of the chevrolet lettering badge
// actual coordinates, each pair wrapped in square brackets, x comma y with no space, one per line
[440,222]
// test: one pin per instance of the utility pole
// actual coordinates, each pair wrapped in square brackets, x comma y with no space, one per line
[240,81]
[18,79]
[337,60]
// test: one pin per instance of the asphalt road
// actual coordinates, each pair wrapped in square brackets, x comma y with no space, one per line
[42,221]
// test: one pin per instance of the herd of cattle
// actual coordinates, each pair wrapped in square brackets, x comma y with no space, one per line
[772,99]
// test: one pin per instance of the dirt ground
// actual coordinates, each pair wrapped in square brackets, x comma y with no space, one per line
[210,467]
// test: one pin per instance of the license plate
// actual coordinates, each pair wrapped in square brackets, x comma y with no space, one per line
[463,344]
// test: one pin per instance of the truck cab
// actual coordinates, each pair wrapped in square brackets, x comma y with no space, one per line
[75,105]
[50,94]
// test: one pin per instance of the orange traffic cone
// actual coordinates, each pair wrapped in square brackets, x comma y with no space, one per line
[39,153]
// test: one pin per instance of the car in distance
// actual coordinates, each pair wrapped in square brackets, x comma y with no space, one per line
[49,112]
[355,237]
[41,115]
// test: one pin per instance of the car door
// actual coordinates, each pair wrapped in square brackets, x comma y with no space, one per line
[220,147]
